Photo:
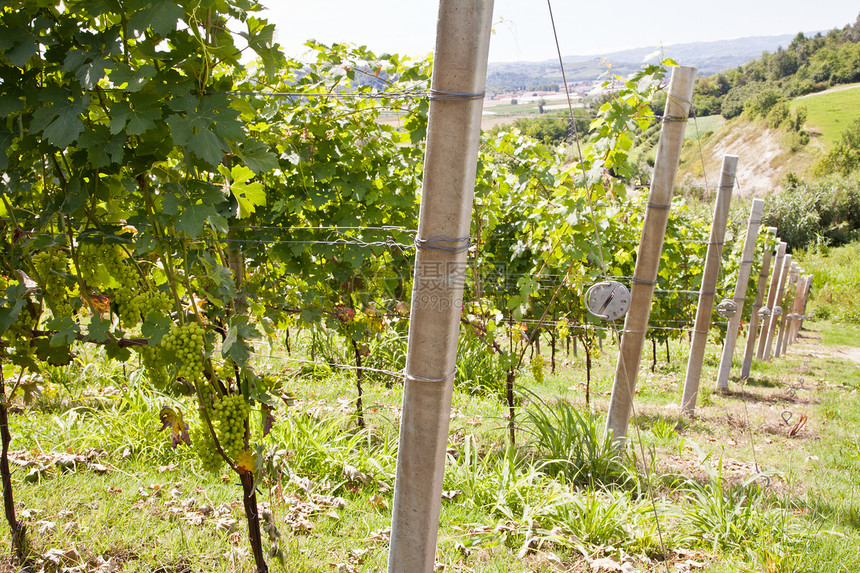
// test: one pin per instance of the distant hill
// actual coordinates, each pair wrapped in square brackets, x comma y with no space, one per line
[708,57]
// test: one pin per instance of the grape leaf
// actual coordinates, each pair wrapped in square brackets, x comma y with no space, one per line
[155,327]
[136,116]
[13,303]
[161,16]
[25,48]
[246,462]
[116,352]
[173,419]
[90,73]
[235,345]
[67,331]
[206,145]
[103,149]
[99,329]
[66,125]
[260,39]
[249,195]
[9,104]
[193,218]
[54,355]
[257,156]
[133,79]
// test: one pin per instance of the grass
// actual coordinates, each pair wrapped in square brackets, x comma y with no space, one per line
[731,489]
[699,126]
[836,282]
[829,112]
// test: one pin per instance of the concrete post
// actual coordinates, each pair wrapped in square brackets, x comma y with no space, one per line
[774,319]
[806,295]
[453,134]
[752,331]
[795,310]
[771,299]
[747,259]
[788,305]
[799,299]
[711,272]
[650,246]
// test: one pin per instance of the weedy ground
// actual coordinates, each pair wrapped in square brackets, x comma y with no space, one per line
[101,489]
[764,478]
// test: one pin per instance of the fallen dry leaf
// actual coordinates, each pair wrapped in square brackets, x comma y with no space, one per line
[58,556]
[354,474]
[383,534]
[226,524]
[109,566]
[376,501]
[607,564]
[46,527]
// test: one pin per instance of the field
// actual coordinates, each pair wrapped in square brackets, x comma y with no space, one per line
[830,111]
[699,126]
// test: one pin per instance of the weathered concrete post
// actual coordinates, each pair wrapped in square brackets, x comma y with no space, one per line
[678,105]
[795,310]
[705,308]
[777,308]
[761,285]
[771,300]
[807,291]
[747,259]
[453,133]
[785,319]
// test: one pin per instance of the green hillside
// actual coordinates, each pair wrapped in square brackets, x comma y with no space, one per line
[830,111]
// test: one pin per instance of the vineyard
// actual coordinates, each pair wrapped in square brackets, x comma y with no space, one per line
[216,267]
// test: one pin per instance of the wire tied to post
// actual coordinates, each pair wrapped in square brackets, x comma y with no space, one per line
[660,206]
[427,244]
[413,378]
[438,95]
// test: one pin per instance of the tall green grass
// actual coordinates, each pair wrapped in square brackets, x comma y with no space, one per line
[836,281]
[572,444]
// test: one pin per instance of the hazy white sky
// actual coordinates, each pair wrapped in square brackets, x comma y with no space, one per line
[522,29]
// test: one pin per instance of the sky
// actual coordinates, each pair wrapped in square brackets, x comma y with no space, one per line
[522,30]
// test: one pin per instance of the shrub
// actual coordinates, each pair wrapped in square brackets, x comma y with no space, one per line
[826,210]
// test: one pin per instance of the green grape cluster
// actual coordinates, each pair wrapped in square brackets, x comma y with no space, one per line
[125,274]
[230,416]
[153,364]
[205,447]
[88,263]
[186,342]
[50,266]
[150,301]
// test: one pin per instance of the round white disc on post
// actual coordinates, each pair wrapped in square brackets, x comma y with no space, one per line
[608,300]
[727,308]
